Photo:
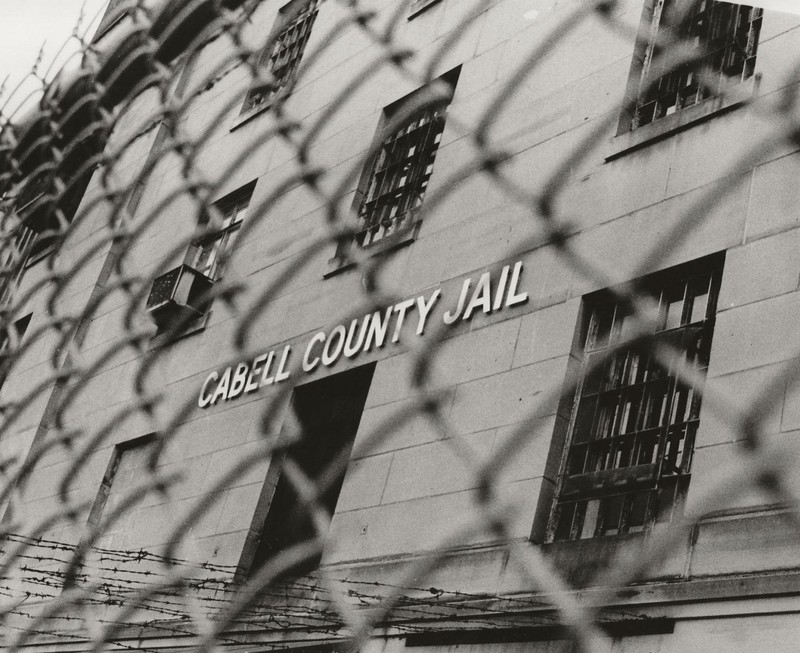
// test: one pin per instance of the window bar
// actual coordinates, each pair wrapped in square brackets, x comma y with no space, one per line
[283,59]
[730,35]
[634,413]
[400,177]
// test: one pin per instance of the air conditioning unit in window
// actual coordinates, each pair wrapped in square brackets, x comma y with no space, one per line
[178,295]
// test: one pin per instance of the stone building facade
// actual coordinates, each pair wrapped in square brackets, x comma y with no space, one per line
[616,450]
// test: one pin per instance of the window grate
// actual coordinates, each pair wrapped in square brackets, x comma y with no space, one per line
[400,177]
[283,59]
[634,425]
[725,37]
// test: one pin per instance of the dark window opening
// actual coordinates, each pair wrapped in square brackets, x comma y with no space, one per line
[10,343]
[632,433]
[329,412]
[401,170]
[723,39]
[282,60]
[15,260]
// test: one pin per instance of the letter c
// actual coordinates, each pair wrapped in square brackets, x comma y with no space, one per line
[205,399]
[309,365]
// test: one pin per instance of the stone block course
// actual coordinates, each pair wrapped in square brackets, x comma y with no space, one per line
[530,454]
[418,525]
[440,467]
[774,198]
[547,333]
[746,386]
[508,397]
[364,482]
[761,269]
[237,507]
[756,334]
[407,429]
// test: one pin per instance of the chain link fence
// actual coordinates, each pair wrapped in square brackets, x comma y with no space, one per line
[125,122]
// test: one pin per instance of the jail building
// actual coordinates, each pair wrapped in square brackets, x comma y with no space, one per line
[514,288]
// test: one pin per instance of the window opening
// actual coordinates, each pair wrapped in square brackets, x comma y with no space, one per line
[632,434]
[12,338]
[208,252]
[15,259]
[329,412]
[724,35]
[401,171]
[282,60]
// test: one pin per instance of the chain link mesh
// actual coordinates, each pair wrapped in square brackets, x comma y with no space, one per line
[135,118]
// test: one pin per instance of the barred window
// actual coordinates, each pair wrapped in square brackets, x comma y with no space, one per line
[205,255]
[282,59]
[628,460]
[725,38]
[401,171]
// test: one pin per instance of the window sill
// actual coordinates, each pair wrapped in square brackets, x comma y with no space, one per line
[280,96]
[341,263]
[40,256]
[419,6]
[682,120]
[580,561]
[243,118]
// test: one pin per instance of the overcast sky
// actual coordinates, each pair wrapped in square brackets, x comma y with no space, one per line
[26,24]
